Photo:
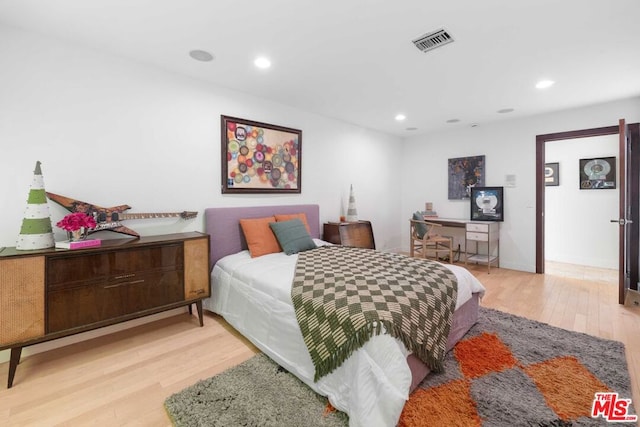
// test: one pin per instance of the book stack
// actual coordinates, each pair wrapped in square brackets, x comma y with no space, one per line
[78,244]
[429,212]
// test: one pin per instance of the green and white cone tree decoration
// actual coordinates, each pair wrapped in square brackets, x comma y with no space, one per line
[36,231]
[352,212]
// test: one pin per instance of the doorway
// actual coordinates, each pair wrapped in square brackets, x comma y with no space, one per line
[628,191]
[577,215]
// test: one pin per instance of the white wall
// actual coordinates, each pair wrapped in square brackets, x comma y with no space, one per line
[509,148]
[110,131]
[577,222]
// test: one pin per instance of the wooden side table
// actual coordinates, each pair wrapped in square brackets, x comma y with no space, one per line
[357,234]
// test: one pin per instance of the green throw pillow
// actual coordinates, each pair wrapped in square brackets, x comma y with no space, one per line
[292,236]
[421,229]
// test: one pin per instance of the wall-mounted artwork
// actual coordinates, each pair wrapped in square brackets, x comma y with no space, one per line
[598,174]
[259,157]
[464,174]
[551,175]
[487,204]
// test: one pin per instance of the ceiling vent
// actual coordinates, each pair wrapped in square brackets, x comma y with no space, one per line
[433,40]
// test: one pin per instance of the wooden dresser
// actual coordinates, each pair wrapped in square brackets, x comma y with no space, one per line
[53,293]
[358,234]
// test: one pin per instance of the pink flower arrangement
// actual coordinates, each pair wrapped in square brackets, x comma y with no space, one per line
[75,221]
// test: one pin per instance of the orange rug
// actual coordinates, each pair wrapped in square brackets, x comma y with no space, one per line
[516,372]
[507,371]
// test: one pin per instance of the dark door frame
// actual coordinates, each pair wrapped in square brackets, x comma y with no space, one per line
[541,140]
[633,213]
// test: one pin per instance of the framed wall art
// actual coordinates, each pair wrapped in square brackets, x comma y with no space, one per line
[598,173]
[465,173]
[260,157]
[551,174]
[487,204]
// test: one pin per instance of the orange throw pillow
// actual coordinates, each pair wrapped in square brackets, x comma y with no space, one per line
[259,236]
[302,217]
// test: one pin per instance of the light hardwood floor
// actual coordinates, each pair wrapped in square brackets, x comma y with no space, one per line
[122,379]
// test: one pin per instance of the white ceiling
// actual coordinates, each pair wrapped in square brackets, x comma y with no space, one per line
[354,59]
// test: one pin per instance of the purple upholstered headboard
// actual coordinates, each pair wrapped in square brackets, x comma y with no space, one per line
[223,225]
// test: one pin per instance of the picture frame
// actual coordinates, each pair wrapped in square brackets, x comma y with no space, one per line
[598,173]
[465,173]
[551,174]
[260,157]
[487,204]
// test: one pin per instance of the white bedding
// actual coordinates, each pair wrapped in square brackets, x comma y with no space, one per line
[254,296]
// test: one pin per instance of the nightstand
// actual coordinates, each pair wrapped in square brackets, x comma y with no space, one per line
[357,234]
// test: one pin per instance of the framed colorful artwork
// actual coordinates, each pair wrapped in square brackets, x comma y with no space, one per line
[487,204]
[551,174]
[259,157]
[598,174]
[465,173]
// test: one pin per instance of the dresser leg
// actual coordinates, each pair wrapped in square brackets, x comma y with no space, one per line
[13,364]
[199,307]
[190,309]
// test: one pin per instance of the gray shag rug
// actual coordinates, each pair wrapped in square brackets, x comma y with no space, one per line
[527,374]
[255,393]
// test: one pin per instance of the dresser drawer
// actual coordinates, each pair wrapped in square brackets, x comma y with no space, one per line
[69,308]
[70,271]
[481,237]
[473,226]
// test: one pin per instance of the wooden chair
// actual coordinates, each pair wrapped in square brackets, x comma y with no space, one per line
[427,244]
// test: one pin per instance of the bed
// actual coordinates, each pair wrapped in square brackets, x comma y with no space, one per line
[253,295]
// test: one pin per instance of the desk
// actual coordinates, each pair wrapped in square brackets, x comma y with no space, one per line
[479,232]
[449,222]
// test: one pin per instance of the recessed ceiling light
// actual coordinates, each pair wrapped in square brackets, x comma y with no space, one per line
[506,110]
[400,117]
[262,62]
[201,55]
[412,128]
[453,120]
[543,84]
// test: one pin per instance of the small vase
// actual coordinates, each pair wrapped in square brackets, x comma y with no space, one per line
[77,235]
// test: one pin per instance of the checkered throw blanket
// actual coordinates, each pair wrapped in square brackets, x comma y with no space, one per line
[343,296]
